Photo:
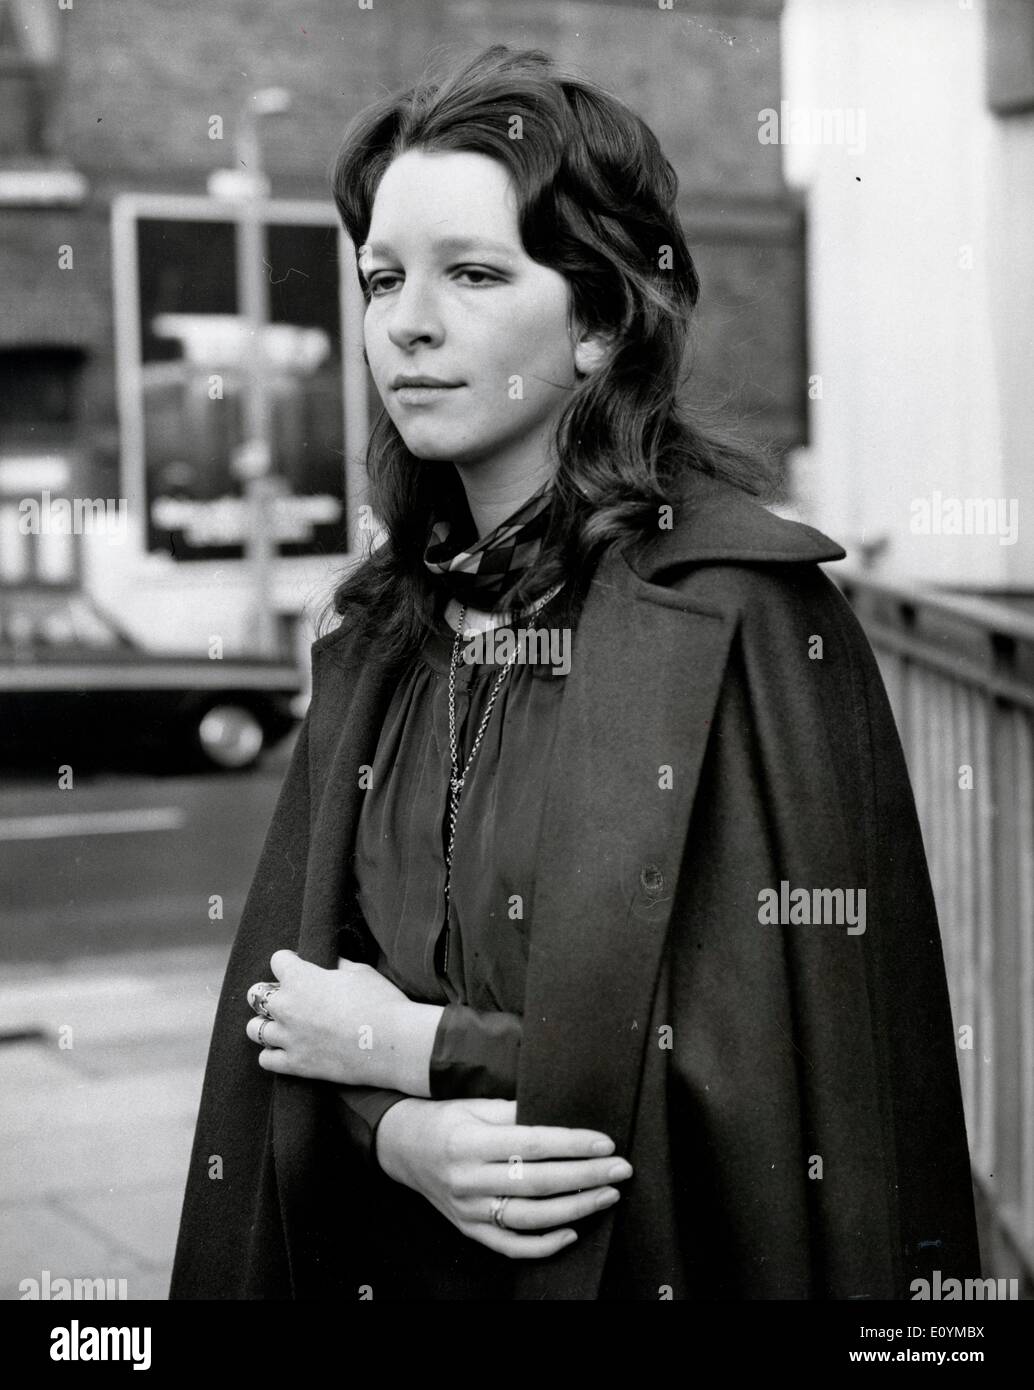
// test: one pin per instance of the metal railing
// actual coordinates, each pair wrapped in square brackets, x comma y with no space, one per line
[959,672]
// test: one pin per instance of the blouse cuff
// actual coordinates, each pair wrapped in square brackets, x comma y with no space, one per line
[362,1109]
[475,1054]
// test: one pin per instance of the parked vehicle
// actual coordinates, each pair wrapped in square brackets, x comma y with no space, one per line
[72,681]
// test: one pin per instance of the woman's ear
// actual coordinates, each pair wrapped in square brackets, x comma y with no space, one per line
[592,350]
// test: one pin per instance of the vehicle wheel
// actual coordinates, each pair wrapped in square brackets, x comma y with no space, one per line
[229,736]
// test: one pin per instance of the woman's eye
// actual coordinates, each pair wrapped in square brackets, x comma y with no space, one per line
[477,275]
[378,283]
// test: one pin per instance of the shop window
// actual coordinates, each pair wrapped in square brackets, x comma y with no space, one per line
[196,361]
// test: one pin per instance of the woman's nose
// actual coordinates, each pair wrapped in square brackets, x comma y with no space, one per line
[414,316]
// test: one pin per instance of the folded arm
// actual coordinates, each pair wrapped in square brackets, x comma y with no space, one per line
[474,1054]
[353,1027]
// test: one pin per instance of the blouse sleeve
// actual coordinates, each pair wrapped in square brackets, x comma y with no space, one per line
[361,1109]
[475,1053]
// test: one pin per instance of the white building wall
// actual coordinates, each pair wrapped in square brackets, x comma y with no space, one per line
[921,288]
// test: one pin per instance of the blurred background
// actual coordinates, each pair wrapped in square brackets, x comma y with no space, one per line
[183,413]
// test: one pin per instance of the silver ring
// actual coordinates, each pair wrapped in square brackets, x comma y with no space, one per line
[259,996]
[498,1207]
[261,1029]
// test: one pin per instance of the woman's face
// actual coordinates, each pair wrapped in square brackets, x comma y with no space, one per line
[456,298]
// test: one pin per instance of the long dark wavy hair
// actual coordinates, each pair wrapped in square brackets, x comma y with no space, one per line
[596,201]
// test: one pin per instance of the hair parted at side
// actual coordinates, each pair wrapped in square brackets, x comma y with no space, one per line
[596,201]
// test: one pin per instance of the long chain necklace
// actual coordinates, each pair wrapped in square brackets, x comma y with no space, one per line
[458,778]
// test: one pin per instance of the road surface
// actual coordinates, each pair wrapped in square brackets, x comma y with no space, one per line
[127,861]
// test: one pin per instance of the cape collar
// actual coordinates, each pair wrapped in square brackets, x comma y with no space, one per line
[712,521]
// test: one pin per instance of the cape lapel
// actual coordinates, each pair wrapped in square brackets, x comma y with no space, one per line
[350,696]
[634,724]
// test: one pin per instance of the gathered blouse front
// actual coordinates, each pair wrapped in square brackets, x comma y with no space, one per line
[403,828]
[400,873]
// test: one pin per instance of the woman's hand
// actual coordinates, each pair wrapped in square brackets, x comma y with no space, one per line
[348,1025]
[463,1155]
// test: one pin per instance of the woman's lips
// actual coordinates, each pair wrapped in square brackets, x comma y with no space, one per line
[423,395]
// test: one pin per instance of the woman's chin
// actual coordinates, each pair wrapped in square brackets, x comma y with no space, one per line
[443,450]
[433,449]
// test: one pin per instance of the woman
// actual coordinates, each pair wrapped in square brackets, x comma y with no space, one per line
[609,970]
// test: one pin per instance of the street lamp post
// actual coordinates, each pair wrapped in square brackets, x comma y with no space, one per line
[253,462]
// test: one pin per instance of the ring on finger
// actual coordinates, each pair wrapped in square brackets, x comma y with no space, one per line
[497,1209]
[261,1029]
[259,996]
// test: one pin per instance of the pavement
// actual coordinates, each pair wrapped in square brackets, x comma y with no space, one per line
[101,1062]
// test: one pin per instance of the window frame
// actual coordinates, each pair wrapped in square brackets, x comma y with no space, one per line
[127,210]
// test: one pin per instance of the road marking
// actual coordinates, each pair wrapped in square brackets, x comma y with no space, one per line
[92,823]
[116,675]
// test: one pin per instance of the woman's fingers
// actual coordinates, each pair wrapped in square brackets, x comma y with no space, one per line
[266,1032]
[533,1143]
[272,1059]
[516,1246]
[283,962]
[520,1214]
[437,1148]
[519,1179]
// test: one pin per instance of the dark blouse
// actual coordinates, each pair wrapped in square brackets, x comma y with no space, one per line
[399,872]
[402,834]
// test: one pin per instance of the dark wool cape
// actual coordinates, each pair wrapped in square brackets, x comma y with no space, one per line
[788,1094]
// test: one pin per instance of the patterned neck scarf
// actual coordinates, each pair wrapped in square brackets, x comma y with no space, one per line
[482,573]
